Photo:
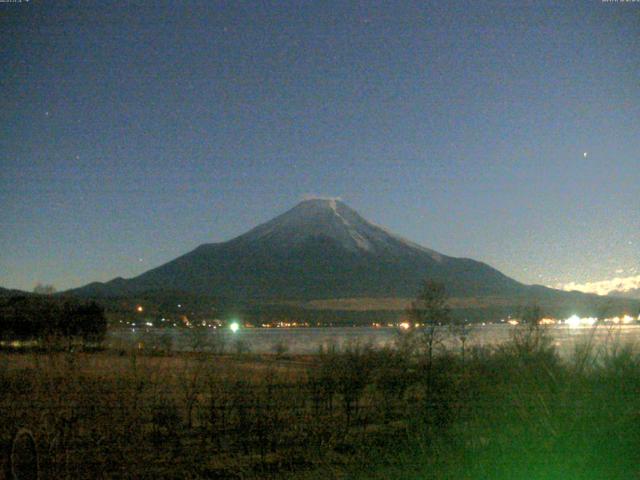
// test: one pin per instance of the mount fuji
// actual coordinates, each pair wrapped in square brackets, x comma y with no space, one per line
[322,250]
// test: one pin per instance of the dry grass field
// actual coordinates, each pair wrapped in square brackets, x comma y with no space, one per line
[516,411]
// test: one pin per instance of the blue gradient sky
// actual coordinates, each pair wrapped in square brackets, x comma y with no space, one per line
[131,133]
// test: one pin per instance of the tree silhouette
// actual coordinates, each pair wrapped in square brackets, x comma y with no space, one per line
[427,312]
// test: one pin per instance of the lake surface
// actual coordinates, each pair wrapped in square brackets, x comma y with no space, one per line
[310,340]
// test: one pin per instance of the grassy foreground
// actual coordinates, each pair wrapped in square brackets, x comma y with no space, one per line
[515,412]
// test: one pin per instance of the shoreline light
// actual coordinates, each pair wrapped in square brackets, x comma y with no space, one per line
[575,321]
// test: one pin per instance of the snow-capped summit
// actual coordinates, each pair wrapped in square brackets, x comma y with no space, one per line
[331,218]
[312,218]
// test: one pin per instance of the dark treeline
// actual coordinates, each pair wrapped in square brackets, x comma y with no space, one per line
[39,317]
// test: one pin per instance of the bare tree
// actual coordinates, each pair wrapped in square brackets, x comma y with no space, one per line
[531,339]
[428,312]
[461,330]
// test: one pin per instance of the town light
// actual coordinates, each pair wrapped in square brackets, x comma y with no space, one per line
[234,327]
[573,321]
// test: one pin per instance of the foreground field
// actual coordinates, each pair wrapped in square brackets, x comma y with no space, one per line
[507,413]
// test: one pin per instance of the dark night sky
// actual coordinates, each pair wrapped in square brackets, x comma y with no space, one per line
[134,131]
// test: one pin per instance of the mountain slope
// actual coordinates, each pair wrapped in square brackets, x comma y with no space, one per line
[5,292]
[633,293]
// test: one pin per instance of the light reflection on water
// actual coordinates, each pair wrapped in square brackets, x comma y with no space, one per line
[310,340]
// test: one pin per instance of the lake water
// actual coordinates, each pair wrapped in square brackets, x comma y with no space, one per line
[310,340]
